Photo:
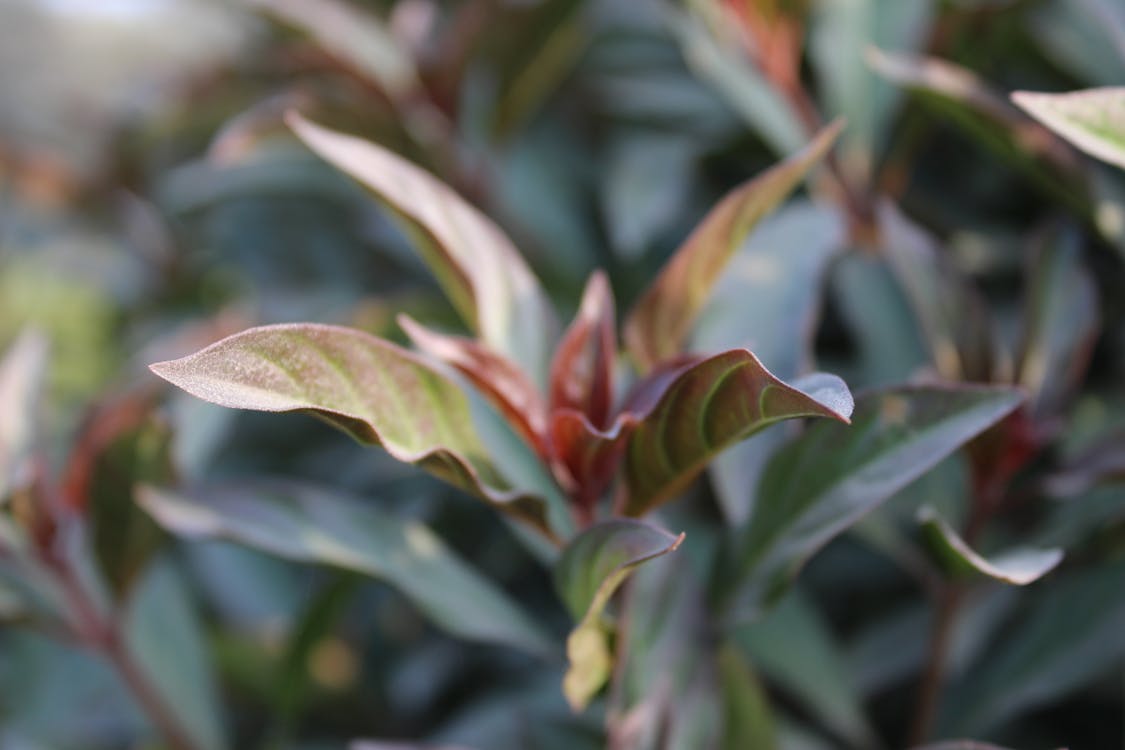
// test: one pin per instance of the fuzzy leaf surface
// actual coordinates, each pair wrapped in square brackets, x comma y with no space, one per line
[377,392]
[476,264]
[832,475]
[708,406]
[659,324]
[309,524]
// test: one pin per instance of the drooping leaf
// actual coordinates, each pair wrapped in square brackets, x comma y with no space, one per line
[949,312]
[707,406]
[1093,120]
[660,322]
[21,379]
[1018,566]
[161,614]
[1061,321]
[376,391]
[767,301]
[1070,634]
[590,570]
[832,475]
[309,524]
[581,375]
[474,261]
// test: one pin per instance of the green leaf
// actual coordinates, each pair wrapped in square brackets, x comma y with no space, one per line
[708,406]
[474,261]
[832,475]
[660,322]
[308,524]
[1070,634]
[768,301]
[21,379]
[590,570]
[376,391]
[747,719]
[164,635]
[1018,566]
[1093,120]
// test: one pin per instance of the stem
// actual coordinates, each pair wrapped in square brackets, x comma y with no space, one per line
[926,707]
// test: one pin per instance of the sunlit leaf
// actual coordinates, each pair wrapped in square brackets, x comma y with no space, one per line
[1017,566]
[708,406]
[659,324]
[832,475]
[307,524]
[21,379]
[476,264]
[590,570]
[370,388]
[1093,120]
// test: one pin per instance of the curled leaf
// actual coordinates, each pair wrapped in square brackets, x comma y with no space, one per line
[582,368]
[377,392]
[1018,567]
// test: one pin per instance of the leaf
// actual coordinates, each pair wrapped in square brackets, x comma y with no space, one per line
[1093,120]
[307,524]
[747,719]
[22,373]
[377,392]
[1085,37]
[356,38]
[708,406]
[831,476]
[590,570]
[164,635]
[768,301]
[1061,321]
[662,318]
[581,375]
[589,456]
[474,261]
[1018,566]
[1070,634]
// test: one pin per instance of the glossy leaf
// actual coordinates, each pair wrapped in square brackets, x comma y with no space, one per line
[832,475]
[590,570]
[708,406]
[21,378]
[768,301]
[1093,120]
[659,324]
[307,524]
[474,261]
[1018,566]
[581,375]
[370,388]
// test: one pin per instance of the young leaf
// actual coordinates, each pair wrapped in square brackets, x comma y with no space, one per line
[308,524]
[473,260]
[831,476]
[582,368]
[589,456]
[376,391]
[659,323]
[708,406]
[1018,567]
[21,378]
[590,570]
[1093,120]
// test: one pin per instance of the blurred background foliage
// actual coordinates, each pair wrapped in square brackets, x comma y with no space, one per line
[152,202]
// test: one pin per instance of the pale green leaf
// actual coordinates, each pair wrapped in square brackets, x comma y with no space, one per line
[1093,120]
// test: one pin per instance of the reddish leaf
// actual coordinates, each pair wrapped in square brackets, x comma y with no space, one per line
[589,457]
[661,320]
[582,368]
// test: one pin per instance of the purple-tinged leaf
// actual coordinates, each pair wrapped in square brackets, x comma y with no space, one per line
[831,476]
[587,574]
[1061,322]
[659,324]
[707,407]
[21,379]
[1018,567]
[377,392]
[499,379]
[308,524]
[589,457]
[1093,120]
[476,264]
[581,375]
